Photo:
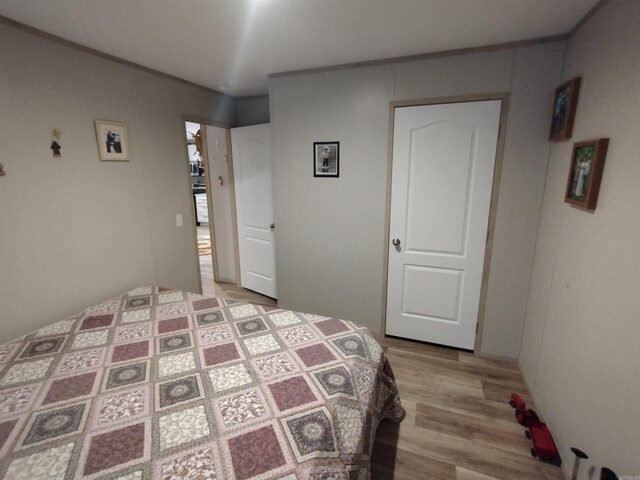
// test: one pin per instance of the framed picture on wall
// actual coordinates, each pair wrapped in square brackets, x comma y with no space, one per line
[326,159]
[585,173]
[113,141]
[565,102]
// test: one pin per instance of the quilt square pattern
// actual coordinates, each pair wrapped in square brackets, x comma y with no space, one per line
[311,434]
[335,382]
[38,348]
[26,372]
[178,391]
[160,383]
[18,400]
[204,304]
[121,407]
[201,463]
[207,318]
[261,344]
[53,424]
[351,346]
[257,452]
[298,335]
[96,321]
[59,328]
[122,376]
[243,311]
[213,335]
[226,378]
[225,353]
[315,354]
[251,326]
[130,351]
[137,302]
[283,319]
[172,310]
[291,393]
[170,297]
[7,351]
[331,326]
[272,366]
[182,427]
[170,343]
[241,409]
[69,388]
[30,467]
[138,315]
[174,364]
[132,332]
[109,451]
[74,362]
[173,325]
[90,339]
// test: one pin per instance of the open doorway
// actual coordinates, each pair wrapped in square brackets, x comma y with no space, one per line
[212,187]
[209,173]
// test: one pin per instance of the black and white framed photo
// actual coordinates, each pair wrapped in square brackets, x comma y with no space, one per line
[326,159]
[113,142]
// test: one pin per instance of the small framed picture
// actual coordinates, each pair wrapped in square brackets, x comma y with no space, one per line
[565,102]
[113,141]
[585,173]
[326,159]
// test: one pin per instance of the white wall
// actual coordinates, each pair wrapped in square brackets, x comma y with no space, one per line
[331,232]
[581,343]
[75,231]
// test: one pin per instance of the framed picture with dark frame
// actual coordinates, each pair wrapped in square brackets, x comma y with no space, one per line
[585,173]
[113,141]
[565,102]
[326,159]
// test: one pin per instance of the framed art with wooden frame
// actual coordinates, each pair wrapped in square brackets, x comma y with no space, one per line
[585,173]
[113,141]
[565,102]
[326,159]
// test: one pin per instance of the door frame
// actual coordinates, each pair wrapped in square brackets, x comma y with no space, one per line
[207,178]
[504,110]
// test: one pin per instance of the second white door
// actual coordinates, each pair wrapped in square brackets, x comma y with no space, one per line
[443,165]
[251,151]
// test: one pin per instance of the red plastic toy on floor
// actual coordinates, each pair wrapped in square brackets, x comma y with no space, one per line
[543,445]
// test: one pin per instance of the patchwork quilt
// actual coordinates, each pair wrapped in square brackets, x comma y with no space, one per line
[167,384]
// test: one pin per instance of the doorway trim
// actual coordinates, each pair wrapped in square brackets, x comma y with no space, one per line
[214,123]
[504,110]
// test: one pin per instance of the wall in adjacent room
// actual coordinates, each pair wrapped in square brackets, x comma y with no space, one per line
[75,231]
[581,344]
[331,232]
[251,110]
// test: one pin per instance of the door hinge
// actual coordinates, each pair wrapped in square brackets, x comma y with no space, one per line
[477,326]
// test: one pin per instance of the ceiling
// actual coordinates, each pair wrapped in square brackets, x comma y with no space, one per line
[240,42]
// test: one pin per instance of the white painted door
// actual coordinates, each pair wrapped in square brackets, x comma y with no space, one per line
[251,152]
[443,164]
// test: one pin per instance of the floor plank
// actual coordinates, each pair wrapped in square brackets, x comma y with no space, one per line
[459,425]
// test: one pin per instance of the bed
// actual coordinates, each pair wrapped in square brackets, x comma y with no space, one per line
[160,383]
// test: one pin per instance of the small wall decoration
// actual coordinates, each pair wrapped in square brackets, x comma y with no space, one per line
[2,172]
[113,141]
[326,159]
[55,138]
[565,102]
[585,173]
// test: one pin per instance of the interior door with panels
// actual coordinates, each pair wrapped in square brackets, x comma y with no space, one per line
[442,178]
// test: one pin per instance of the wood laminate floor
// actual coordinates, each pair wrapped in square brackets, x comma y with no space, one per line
[459,425]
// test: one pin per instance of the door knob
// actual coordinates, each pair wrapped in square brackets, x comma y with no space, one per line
[272,226]
[396,242]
